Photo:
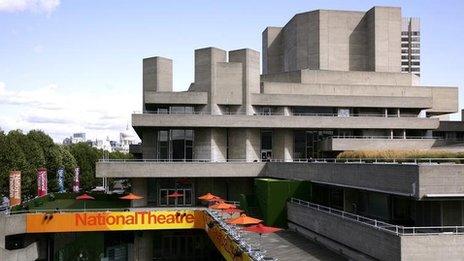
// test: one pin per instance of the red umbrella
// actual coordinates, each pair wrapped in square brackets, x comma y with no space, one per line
[84,197]
[244,220]
[222,205]
[262,229]
[131,196]
[175,195]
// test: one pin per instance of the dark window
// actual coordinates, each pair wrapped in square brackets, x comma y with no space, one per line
[176,145]
[266,145]
[163,145]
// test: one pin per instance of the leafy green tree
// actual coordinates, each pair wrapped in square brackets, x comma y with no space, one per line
[86,158]
[12,158]
[69,164]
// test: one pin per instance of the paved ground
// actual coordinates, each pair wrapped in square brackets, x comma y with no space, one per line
[288,245]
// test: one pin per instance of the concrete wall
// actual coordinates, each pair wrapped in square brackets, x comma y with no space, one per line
[441,179]
[432,247]
[340,101]
[370,241]
[272,50]
[206,60]
[289,122]
[336,144]
[229,83]
[149,143]
[244,144]
[179,169]
[384,39]
[282,147]
[157,74]
[345,77]
[152,97]
[388,178]
[335,40]
[249,60]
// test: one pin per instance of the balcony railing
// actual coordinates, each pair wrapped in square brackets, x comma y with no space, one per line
[309,114]
[385,137]
[406,161]
[377,224]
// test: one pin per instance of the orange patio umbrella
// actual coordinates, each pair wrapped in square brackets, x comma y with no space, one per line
[208,197]
[244,220]
[222,205]
[131,196]
[262,229]
[84,197]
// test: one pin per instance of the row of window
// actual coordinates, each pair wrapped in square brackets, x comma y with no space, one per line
[413,33]
[412,51]
[411,45]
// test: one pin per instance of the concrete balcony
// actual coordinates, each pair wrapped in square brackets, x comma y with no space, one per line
[280,121]
[414,179]
[366,239]
[159,169]
[379,143]
[197,98]
[432,179]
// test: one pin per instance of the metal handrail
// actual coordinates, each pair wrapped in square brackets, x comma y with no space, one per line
[73,210]
[313,114]
[385,137]
[408,161]
[381,225]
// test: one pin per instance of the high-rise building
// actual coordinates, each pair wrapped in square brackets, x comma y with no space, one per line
[410,46]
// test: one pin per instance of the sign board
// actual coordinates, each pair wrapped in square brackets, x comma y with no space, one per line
[15,188]
[60,179]
[42,182]
[109,221]
[76,184]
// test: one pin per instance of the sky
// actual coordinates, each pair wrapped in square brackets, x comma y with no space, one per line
[76,66]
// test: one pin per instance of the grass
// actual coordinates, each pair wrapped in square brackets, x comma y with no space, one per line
[78,204]
[68,201]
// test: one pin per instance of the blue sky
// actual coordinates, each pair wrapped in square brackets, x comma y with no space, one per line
[69,66]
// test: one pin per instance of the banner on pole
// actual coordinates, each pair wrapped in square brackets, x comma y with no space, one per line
[76,180]
[42,182]
[60,177]
[15,188]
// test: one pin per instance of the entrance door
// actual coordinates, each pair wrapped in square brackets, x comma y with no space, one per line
[182,201]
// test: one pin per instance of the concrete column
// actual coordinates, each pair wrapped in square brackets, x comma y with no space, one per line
[157,75]
[210,144]
[206,60]
[149,143]
[143,246]
[139,187]
[250,75]
[244,144]
[272,50]
[384,39]
[282,144]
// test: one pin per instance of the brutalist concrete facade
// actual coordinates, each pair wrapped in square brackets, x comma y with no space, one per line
[332,81]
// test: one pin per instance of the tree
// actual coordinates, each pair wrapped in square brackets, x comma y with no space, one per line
[12,158]
[69,164]
[86,158]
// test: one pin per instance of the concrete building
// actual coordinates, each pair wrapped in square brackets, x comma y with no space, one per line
[410,46]
[332,81]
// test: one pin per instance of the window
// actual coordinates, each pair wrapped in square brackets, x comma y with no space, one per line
[175,145]
[266,145]
[265,110]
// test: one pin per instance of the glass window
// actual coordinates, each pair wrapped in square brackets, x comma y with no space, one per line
[266,145]
[163,147]
[299,145]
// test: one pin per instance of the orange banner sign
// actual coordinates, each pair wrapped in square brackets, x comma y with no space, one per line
[107,221]
[15,188]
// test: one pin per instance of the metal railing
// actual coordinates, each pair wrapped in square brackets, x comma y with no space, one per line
[431,161]
[399,137]
[73,210]
[384,226]
[309,114]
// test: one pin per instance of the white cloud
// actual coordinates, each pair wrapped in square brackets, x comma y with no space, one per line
[36,6]
[60,112]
